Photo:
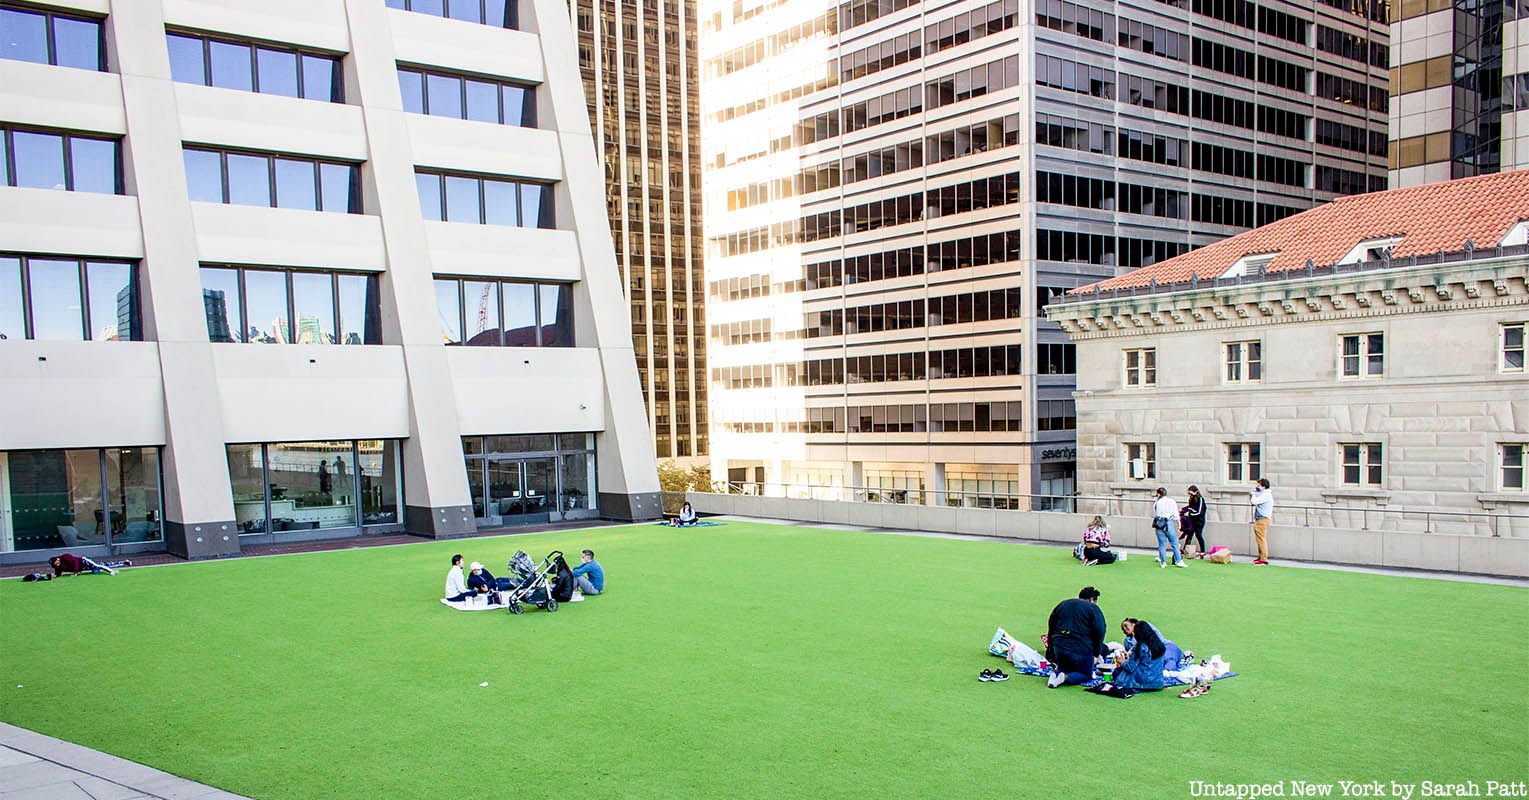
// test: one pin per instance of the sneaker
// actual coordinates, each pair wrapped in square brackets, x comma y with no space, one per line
[998,676]
[1091,562]
[1163,564]
[110,571]
[985,676]
[1181,564]
[1260,562]
[577,598]
[1056,679]
[127,563]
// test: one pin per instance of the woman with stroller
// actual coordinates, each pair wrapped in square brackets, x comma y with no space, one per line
[1096,544]
[1192,522]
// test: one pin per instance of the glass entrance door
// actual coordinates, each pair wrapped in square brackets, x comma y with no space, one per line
[506,489]
[541,484]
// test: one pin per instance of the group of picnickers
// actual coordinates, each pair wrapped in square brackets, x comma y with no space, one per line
[1181,529]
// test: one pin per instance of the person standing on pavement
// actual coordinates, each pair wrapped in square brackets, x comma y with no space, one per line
[1165,523]
[1263,512]
[1194,518]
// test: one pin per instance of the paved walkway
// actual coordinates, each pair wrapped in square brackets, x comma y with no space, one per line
[1408,573]
[38,767]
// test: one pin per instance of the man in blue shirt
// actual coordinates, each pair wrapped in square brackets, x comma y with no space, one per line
[589,576]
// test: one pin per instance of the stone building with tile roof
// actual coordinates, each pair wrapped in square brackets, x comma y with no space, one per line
[1367,356]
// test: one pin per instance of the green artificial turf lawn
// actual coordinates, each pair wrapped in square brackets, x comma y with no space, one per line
[753,660]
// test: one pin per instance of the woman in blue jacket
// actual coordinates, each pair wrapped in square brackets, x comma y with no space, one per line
[1146,658]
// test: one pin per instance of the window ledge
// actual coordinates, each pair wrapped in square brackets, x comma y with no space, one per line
[1145,485]
[1490,500]
[1228,488]
[1380,496]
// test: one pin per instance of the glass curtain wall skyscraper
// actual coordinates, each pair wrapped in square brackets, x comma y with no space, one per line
[895,189]
[638,61]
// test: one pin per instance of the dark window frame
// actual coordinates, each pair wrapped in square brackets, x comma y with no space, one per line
[511,11]
[529,114]
[461,286]
[355,206]
[48,15]
[337,86]
[337,332]
[548,209]
[82,278]
[8,152]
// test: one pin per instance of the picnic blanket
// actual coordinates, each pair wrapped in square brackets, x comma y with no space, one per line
[1027,661]
[463,605]
[698,524]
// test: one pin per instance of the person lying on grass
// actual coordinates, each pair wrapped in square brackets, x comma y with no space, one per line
[1075,639]
[71,564]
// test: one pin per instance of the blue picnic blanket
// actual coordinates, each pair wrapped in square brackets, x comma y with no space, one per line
[1002,642]
[697,524]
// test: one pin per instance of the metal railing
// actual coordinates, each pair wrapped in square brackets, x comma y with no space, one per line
[1326,515]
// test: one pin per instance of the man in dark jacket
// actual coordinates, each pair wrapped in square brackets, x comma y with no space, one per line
[1074,638]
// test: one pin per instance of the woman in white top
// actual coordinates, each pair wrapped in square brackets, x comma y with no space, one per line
[1165,521]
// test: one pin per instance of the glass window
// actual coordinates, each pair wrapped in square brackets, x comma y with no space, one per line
[535,205]
[295,186]
[113,304]
[204,176]
[12,313]
[231,66]
[482,298]
[1513,347]
[93,164]
[519,314]
[133,492]
[518,105]
[360,309]
[55,295]
[5,160]
[77,43]
[576,489]
[341,187]
[312,485]
[557,315]
[462,200]
[448,304]
[39,159]
[377,466]
[187,60]
[412,86]
[276,71]
[23,36]
[483,101]
[265,302]
[501,203]
[220,302]
[498,13]
[246,473]
[434,7]
[444,96]
[249,180]
[87,514]
[465,10]
[321,79]
[1512,467]
[429,187]
[313,307]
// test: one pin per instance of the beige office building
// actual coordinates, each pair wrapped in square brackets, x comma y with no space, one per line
[1367,357]
[638,61]
[304,268]
[1460,89]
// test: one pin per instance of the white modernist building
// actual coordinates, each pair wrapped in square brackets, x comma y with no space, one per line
[304,268]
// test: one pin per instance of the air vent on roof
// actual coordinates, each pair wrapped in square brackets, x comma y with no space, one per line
[1255,264]
[1518,234]
[1371,250]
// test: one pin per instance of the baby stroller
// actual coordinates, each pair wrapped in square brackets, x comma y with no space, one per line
[529,584]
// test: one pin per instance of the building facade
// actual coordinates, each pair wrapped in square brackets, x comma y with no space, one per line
[895,189]
[1367,358]
[638,61]
[309,269]
[1460,89]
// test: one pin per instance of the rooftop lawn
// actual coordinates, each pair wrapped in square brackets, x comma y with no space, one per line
[755,660]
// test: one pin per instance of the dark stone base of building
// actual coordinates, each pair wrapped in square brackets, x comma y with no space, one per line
[631,507]
[195,541]
[440,522]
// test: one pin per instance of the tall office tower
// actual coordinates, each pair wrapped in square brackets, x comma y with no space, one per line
[356,265]
[1460,92]
[638,59]
[895,189]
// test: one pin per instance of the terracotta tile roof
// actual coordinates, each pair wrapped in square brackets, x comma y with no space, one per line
[1429,218]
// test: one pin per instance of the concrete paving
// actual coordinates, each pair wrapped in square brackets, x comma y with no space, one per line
[38,767]
[1151,554]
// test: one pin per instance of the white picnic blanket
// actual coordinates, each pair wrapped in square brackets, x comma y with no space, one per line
[471,605]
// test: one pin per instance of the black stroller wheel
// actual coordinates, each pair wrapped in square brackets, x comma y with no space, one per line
[517,608]
[551,604]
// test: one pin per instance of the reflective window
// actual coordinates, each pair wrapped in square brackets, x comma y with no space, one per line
[255,179]
[246,473]
[533,314]
[497,13]
[326,307]
[377,469]
[44,37]
[54,290]
[484,201]
[43,160]
[248,67]
[55,499]
[444,94]
[293,487]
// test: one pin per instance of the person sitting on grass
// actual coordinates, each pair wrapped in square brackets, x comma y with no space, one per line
[1096,544]
[589,576]
[1140,669]
[456,584]
[1175,653]
[687,516]
[71,564]
[479,581]
[1075,638]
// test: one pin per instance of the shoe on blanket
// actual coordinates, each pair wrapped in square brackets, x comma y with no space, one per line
[998,676]
[1057,679]
[985,676]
